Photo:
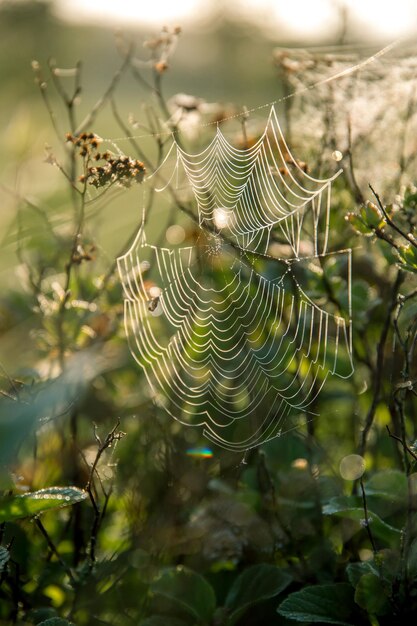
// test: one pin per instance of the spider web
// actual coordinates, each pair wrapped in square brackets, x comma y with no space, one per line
[244,346]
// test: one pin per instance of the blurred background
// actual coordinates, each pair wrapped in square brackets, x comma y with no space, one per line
[226,53]
[229,52]
[65,364]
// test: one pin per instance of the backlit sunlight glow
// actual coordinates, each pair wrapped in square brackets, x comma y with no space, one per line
[305,17]
[152,12]
[318,17]
[300,17]
[387,18]
[313,18]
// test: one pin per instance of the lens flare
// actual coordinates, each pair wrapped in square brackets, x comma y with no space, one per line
[200,453]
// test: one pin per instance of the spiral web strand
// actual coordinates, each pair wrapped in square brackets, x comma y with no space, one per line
[242,351]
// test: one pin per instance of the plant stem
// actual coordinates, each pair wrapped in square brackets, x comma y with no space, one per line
[379,366]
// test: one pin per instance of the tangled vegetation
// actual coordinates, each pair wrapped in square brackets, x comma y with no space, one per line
[110,512]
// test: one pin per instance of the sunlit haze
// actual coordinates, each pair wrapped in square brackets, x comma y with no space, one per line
[158,12]
[392,18]
[314,18]
[298,17]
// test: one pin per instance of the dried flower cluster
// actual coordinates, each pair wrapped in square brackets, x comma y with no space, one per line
[162,47]
[120,169]
[86,142]
[82,253]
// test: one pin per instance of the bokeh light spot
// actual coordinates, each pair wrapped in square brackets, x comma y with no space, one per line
[352,467]
[175,234]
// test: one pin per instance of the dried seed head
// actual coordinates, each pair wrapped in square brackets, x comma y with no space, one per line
[161,67]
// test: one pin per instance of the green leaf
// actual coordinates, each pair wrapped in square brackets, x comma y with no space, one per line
[327,604]
[188,590]
[379,528]
[6,480]
[371,594]
[409,255]
[28,504]
[389,564]
[4,557]
[19,418]
[40,615]
[412,560]
[410,200]
[255,584]
[371,215]
[55,621]
[389,484]
[357,223]
[162,620]
[355,571]
[16,423]
[409,268]
[364,299]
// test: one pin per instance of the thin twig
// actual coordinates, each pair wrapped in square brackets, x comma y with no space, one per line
[52,547]
[89,119]
[43,86]
[113,436]
[355,187]
[379,366]
[389,221]
[367,518]
[403,161]
[406,448]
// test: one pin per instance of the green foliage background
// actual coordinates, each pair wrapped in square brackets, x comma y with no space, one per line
[104,517]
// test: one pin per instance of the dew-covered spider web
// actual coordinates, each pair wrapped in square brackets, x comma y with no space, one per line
[233,334]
